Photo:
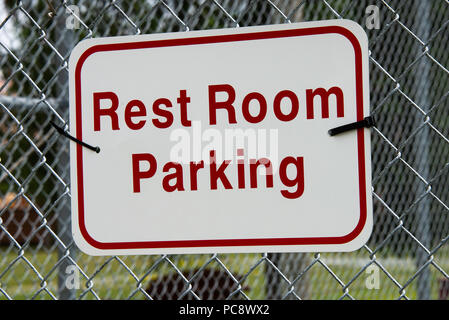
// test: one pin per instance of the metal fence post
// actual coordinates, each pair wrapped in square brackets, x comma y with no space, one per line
[290,265]
[64,46]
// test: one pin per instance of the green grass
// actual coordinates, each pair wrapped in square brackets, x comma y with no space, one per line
[112,281]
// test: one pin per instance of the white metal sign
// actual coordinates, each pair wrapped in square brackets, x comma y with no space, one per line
[217,141]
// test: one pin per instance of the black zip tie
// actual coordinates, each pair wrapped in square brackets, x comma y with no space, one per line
[52,12]
[66,134]
[367,122]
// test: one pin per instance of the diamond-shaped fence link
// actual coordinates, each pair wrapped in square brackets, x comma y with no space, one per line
[407,256]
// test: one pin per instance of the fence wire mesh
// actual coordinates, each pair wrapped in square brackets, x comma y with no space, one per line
[407,256]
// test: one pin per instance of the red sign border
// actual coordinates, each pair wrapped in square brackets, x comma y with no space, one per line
[222,39]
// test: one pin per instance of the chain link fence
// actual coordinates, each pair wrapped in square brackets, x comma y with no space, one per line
[407,256]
